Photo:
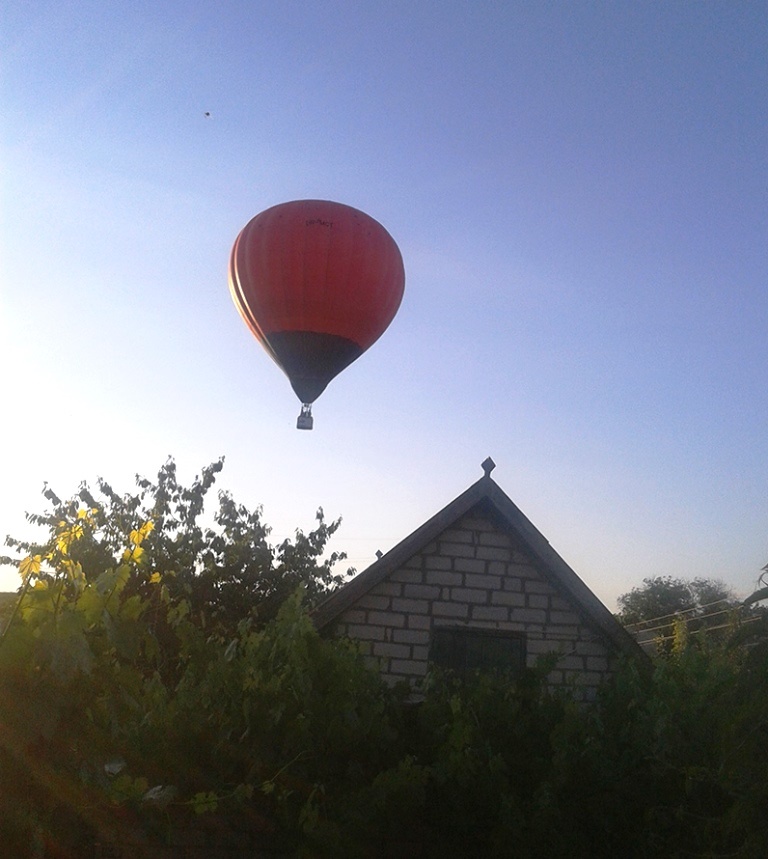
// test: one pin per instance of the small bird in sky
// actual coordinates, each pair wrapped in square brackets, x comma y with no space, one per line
[207,113]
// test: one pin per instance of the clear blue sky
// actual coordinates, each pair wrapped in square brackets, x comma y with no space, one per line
[579,194]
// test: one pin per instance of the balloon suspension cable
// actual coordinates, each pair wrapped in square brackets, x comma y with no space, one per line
[305,418]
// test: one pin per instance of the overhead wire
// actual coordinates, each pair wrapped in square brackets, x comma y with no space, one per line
[684,611]
[659,639]
[729,610]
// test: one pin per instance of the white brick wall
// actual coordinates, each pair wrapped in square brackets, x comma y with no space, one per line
[473,575]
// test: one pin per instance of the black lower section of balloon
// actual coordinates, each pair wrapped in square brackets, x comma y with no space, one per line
[311,360]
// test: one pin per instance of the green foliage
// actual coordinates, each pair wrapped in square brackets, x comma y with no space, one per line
[264,719]
[7,607]
[126,718]
[488,747]
[220,562]
[663,597]
[670,610]
[291,735]
[72,660]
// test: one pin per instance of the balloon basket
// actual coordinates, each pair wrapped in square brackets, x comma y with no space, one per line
[304,420]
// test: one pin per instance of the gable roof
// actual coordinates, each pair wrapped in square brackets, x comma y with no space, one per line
[487,497]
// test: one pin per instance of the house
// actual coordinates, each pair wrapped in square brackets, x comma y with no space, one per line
[477,586]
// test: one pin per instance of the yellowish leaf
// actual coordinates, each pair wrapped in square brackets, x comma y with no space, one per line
[135,554]
[30,566]
[67,536]
[76,574]
[138,535]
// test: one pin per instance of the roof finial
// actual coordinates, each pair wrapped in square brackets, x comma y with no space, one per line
[488,465]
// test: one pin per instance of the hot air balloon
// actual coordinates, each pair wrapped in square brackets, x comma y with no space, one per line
[317,283]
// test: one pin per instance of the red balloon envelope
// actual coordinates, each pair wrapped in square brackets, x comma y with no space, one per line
[317,283]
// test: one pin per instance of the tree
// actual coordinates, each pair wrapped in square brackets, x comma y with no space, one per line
[109,733]
[664,607]
[157,657]
[222,564]
[659,597]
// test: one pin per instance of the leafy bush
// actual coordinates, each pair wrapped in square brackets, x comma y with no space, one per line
[130,714]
